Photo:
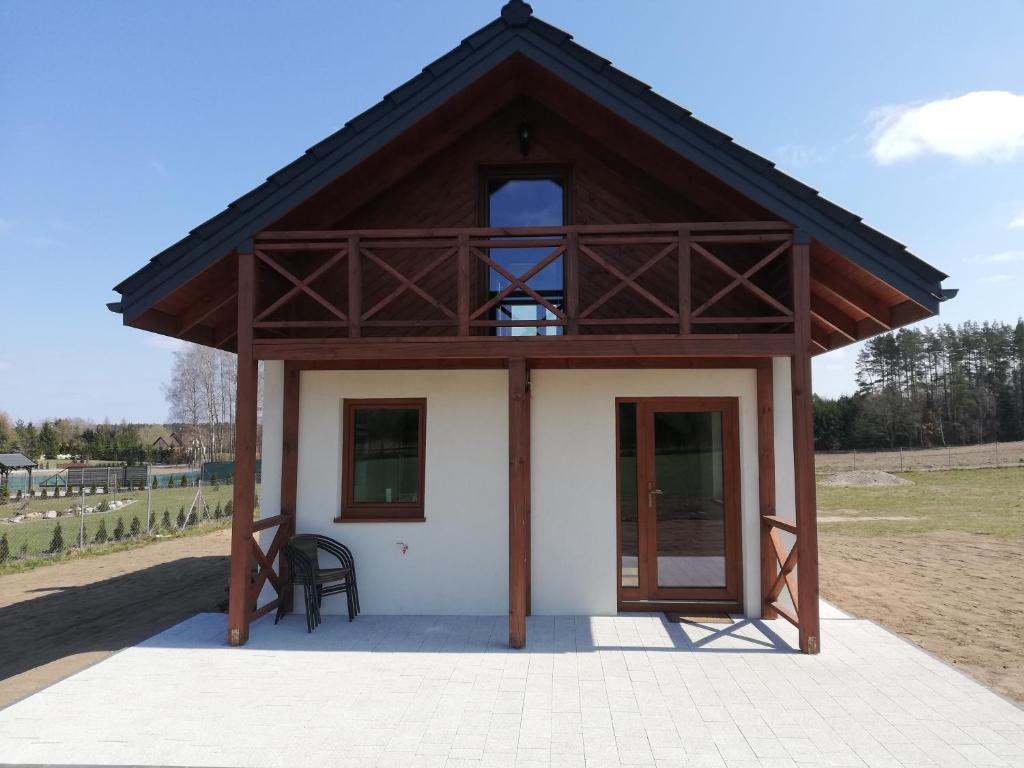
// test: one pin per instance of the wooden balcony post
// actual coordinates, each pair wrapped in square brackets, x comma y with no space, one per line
[803,449]
[684,281]
[572,281]
[766,479]
[463,285]
[355,288]
[289,464]
[519,500]
[240,601]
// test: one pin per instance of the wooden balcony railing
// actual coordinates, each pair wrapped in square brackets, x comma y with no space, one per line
[668,279]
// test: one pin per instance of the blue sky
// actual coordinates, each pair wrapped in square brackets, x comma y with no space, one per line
[124,124]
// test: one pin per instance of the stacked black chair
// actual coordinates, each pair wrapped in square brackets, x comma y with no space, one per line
[302,554]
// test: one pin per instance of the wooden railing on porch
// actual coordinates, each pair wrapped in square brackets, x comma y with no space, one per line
[669,279]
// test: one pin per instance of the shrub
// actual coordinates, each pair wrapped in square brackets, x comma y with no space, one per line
[181,517]
[119,529]
[101,533]
[92,489]
[5,495]
[214,482]
[43,494]
[218,513]
[165,522]
[5,548]
[23,550]
[228,508]
[104,506]
[154,482]
[57,541]
[135,528]
[183,482]
[17,496]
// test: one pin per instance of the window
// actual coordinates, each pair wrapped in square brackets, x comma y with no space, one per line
[383,460]
[520,199]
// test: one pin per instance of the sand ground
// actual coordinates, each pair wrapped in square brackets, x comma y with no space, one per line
[957,595]
[59,619]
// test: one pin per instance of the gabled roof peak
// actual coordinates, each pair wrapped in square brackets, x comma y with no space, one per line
[516,12]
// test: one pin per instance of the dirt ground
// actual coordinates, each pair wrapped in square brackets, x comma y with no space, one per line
[59,619]
[955,594]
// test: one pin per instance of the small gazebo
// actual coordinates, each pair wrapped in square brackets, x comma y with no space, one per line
[12,461]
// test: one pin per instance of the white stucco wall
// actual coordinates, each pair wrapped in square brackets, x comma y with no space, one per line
[457,561]
[573,474]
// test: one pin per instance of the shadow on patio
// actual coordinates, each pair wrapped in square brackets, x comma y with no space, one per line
[489,634]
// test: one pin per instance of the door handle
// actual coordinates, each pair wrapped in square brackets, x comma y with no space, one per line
[651,493]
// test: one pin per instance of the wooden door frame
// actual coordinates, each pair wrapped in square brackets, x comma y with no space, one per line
[647,596]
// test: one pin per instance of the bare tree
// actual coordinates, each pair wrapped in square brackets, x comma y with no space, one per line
[201,396]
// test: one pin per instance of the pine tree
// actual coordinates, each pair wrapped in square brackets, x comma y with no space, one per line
[43,494]
[135,528]
[181,517]
[5,548]
[57,542]
[119,529]
[184,481]
[228,508]
[165,522]
[218,513]
[101,532]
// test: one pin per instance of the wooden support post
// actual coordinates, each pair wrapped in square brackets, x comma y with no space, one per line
[684,282]
[518,501]
[355,288]
[803,449]
[463,285]
[766,478]
[240,601]
[572,282]
[289,463]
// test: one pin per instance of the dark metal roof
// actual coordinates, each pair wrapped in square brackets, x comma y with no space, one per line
[517,31]
[16,461]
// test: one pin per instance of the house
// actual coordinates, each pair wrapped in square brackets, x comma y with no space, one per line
[188,442]
[536,340]
[170,443]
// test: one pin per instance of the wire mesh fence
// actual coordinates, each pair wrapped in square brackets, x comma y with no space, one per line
[920,459]
[86,518]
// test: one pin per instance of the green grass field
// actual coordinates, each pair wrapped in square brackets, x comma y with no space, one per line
[985,501]
[37,534]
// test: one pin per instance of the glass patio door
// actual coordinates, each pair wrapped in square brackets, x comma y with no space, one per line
[679,501]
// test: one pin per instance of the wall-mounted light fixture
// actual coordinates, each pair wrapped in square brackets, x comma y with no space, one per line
[523,133]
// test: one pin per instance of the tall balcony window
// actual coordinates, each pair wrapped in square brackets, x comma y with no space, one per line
[515,200]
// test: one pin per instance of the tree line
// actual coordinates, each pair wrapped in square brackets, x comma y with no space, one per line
[81,439]
[200,395]
[946,385]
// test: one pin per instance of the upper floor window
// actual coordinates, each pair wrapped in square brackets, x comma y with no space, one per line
[519,199]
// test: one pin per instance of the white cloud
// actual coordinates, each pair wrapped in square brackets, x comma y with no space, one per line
[978,125]
[1002,257]
[1018,221]
[994,279]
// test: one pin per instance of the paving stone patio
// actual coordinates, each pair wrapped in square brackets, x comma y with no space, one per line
[446,691]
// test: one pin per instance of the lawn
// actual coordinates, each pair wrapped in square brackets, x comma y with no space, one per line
[980,501]
[38,533]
